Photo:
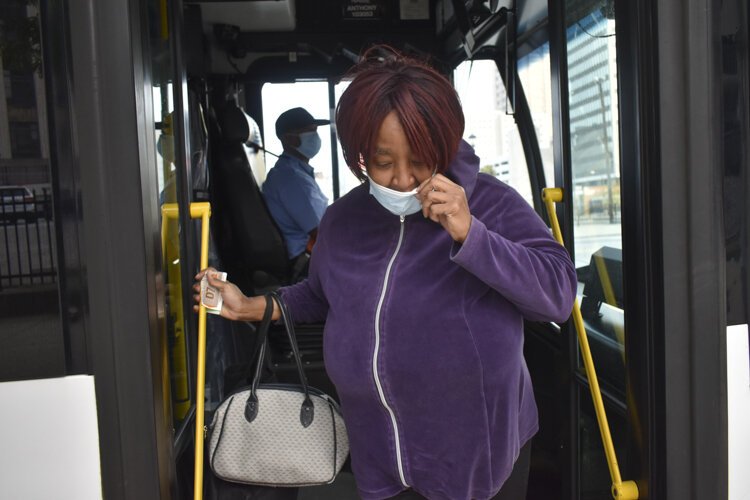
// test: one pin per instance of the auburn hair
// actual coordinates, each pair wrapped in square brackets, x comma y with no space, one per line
[424,100]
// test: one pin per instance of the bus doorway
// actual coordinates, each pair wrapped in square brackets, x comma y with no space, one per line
[638,115]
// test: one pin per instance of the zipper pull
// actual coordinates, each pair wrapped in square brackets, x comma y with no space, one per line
[403,218]
[205,432]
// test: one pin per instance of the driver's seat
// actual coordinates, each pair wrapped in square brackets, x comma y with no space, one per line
[250,245]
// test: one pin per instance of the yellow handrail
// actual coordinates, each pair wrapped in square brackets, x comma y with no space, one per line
[609,297]
[176,384]
[627,490]
[200,210]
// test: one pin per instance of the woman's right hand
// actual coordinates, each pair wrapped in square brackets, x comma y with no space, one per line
[235,303]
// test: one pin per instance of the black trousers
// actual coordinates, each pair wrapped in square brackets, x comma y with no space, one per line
[514,487]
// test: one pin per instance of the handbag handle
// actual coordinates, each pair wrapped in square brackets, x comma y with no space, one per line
[307,411]
[286,316]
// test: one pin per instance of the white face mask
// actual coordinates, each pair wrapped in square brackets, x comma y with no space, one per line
[309,144]
[396,202]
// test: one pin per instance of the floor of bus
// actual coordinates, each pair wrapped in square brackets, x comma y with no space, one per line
[343,488]
[543,484]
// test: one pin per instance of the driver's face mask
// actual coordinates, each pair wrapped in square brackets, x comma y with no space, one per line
[309,144]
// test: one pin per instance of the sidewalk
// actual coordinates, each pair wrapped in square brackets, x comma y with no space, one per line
[31,347]
[31,339]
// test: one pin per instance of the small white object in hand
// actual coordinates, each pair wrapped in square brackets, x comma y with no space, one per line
[210,296]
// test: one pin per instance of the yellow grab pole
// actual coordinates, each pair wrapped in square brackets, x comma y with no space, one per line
[200,210]
[627,490]
[179,382]
[609,296]
[164,20]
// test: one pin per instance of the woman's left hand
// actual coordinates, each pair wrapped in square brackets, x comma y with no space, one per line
[444,202]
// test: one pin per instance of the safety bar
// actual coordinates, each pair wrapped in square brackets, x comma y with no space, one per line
[200,210]
[176,360]
[626,490]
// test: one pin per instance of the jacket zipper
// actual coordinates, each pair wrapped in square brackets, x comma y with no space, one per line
[377,348]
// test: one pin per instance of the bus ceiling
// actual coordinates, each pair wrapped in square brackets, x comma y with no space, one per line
[284,40]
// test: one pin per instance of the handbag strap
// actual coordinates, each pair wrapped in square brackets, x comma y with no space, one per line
[263,341]
[251,405]
[289,327]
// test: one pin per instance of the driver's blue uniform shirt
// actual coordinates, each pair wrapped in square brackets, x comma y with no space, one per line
[295,201]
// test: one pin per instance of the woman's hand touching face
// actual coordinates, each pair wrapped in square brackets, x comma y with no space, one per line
[444,202]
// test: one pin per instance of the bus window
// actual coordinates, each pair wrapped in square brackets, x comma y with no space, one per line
[313,96]
[597,231]
[595,164]
[491,132]
[534,72]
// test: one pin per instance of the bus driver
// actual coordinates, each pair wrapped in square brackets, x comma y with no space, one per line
[294,198]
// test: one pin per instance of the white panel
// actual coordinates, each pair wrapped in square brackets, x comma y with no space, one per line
[49,439]
[271,15]
[738,402]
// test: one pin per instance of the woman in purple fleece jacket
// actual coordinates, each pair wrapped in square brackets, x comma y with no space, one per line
[423,276]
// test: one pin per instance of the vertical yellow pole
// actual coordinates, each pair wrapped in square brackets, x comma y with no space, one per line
[620,491]
[164,19]
[202,210]
[179,381]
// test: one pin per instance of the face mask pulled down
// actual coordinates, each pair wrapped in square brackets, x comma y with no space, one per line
[396,202]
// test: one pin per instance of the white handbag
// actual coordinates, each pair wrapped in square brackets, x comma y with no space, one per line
[278,434]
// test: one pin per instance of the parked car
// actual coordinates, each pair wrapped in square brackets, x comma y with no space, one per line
[17,202]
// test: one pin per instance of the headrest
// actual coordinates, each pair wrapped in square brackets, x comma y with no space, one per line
[236,125]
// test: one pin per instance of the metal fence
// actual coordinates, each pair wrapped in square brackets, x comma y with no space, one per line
[27,242]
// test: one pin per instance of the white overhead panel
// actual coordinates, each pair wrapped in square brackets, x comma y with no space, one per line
[254,15]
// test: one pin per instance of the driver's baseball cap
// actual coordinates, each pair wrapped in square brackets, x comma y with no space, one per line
[295,119]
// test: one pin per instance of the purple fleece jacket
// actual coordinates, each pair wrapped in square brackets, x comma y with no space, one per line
[424,336]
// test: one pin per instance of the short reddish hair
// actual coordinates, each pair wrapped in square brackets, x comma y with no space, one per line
[425,102]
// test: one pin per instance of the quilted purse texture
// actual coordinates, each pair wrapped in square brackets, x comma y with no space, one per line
[275,449]
[278,434]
